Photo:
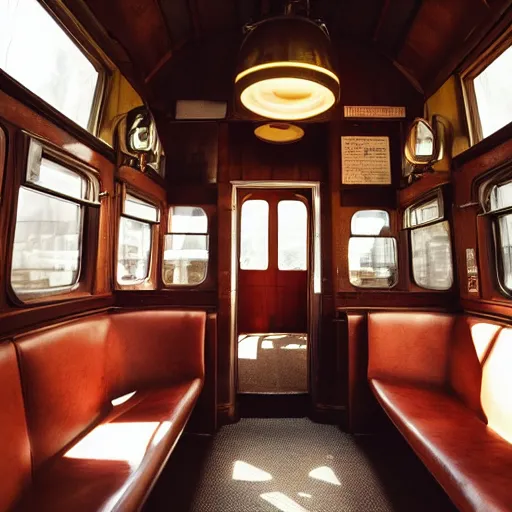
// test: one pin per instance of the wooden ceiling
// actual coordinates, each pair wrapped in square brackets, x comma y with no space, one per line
[425,39]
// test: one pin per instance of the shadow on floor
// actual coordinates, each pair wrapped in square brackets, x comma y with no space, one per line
[295,465]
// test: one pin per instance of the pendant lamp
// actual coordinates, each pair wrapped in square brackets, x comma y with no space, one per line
[285,69]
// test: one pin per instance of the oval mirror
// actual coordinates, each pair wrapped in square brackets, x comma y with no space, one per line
[420,146]
[140,137]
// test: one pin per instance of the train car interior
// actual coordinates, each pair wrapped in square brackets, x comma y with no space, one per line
[256,255]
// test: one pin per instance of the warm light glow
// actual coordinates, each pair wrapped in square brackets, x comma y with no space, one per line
[287,98]
[482,335]
[164,427]
[248,473]
[122,399]
[294,346]
[126,442]
[248,347]
[286,64]
[325,474]
[282,502]
[267,344]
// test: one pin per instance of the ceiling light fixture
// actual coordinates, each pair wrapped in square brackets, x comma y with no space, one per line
[285,69]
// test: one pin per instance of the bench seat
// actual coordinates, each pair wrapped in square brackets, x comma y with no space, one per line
[445,383]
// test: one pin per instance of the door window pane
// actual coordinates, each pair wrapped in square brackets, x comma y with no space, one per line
[372,262]
[505,238]
[370,222]
[187,219]
[54,176]
[292,235]
[432,256]
[39,54]
[185,259]
[254,235]
[492,91]
[501,196]
[426,212]
[134,251]
[46,244]
[135,207]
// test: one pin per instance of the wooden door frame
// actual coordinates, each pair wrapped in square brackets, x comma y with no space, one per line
[315,281]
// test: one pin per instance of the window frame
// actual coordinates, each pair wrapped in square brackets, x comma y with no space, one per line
[467,77]
[36,149]
[208,245]
[85,44]
[147,282]
[443,217]
[3,156]
[397,252]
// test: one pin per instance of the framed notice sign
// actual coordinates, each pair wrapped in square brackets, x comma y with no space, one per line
[365,161]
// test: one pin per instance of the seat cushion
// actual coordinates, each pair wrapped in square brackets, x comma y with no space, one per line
[115,465]
[15,466]
[470,461]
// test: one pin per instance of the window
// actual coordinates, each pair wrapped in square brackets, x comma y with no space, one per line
[186,247]
[135,240]
[372,252]
[499,204]
[430,244]
[254,235]
[488,84]
[48,237]
[39,54]
[292,235]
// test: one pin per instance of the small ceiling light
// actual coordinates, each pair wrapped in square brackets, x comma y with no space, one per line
[285,69]
[279,133]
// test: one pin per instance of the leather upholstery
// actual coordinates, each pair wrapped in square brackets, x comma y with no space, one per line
[15,448]
[86,453]
[409,346]
[116,464]
[63,375]
[470,461]
[459,425]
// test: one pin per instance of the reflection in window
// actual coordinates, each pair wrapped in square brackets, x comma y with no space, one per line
[254,235]
[134,250]
[292,233]
[432,256]
[372,258]
[492,91]
[47,240]
[40,55]
[372,262]
[186,247]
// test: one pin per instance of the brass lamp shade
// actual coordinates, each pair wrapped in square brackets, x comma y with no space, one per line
[285,70]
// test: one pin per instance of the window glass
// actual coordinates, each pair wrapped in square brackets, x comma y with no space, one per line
[370,222]
[185,259]
[292,235]
[54,176]
[432,256]
[492,91]
[39,54]
[505,248]
[134,251]
[135,207]
[254,235]
[47,242]
[426,212]
[187,219]
[372,262]
[501,196]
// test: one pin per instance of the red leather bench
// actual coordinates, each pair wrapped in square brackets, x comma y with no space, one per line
[91,409]
[446,383]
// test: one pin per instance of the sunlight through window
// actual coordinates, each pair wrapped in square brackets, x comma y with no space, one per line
[267,344]
[116,442]
[304,495]
[122,399]
[294,346]
[282,502]
[325,474]
[248,347]
[482,335]
[249,473]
